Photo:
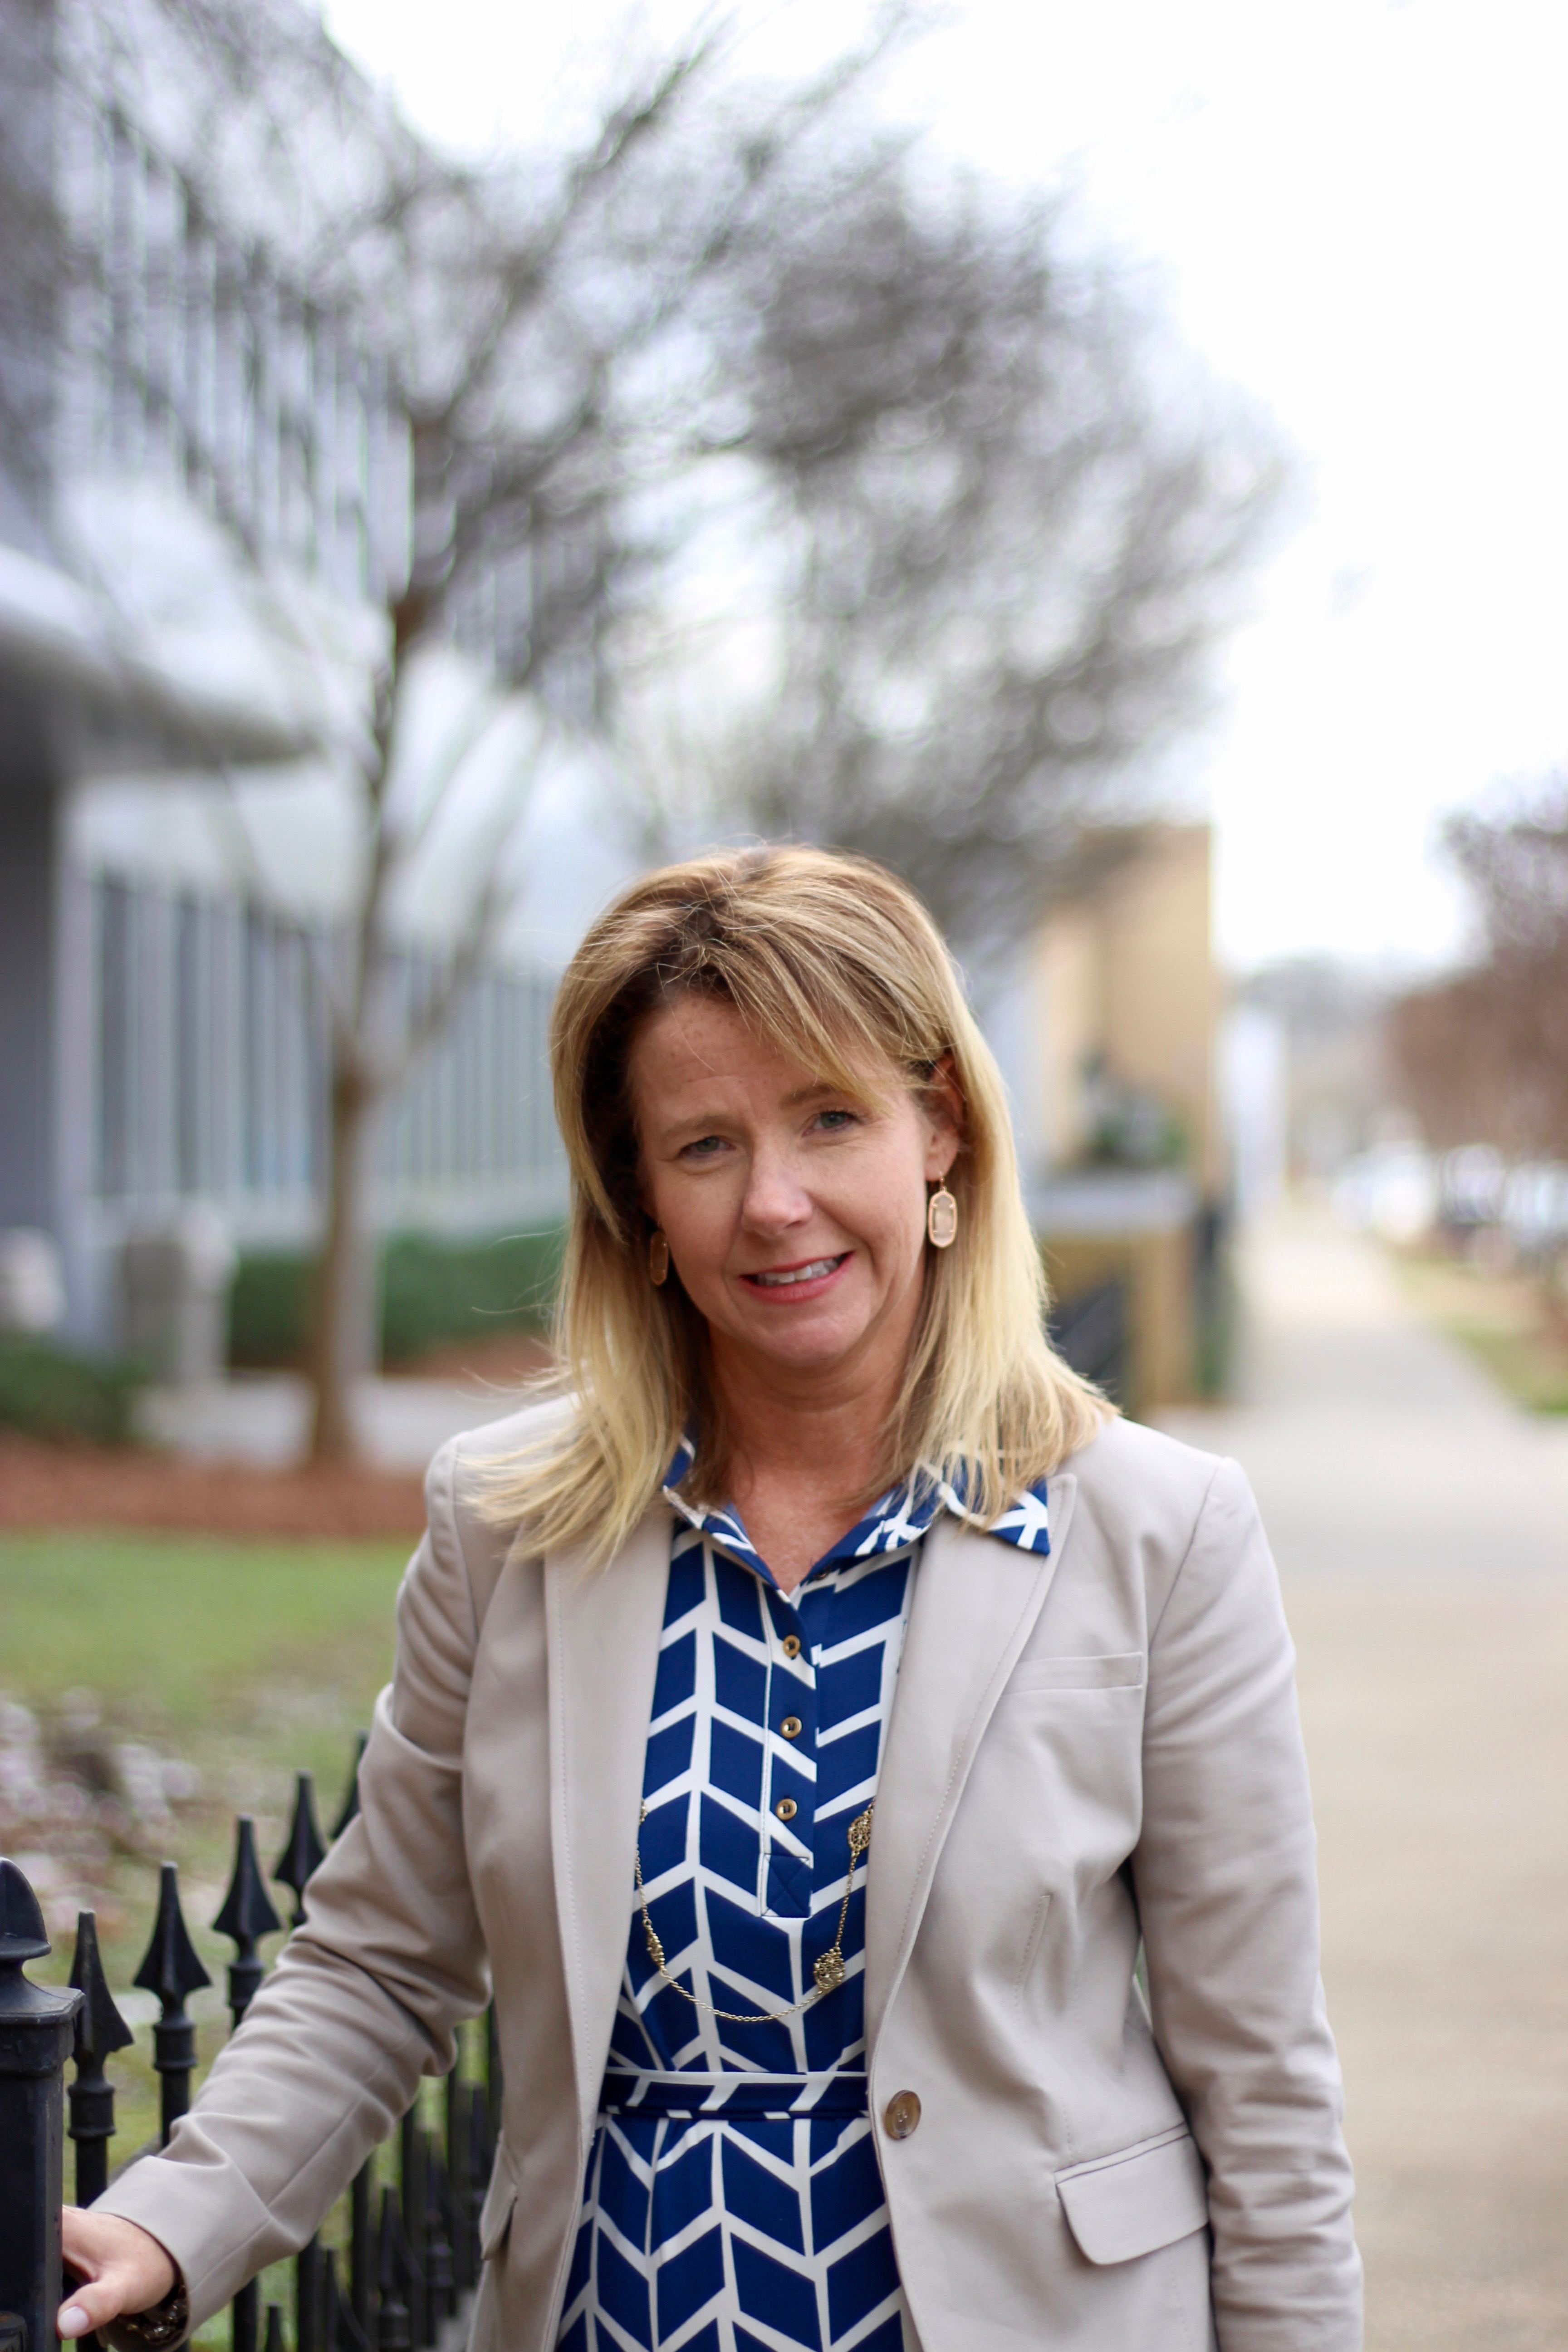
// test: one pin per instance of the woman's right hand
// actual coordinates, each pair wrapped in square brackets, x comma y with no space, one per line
[121,2268]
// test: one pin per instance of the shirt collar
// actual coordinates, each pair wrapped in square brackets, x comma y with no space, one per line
[899,1519]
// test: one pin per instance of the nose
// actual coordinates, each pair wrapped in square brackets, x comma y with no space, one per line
[775,1200]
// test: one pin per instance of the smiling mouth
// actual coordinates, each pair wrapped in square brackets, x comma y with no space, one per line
[786,1276]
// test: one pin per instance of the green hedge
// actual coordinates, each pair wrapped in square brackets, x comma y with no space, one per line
[54,1391]
[431,1290]
[269,1310]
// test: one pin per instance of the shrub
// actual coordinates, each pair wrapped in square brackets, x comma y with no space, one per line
[269,1310]
[432,1289]
[50,1391]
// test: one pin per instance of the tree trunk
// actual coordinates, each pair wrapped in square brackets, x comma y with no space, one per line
[343,1336]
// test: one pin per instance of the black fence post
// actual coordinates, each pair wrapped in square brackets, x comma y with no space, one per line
[343,2330]
[99,2029]
[35,2037]
[411,2182]
[247,1915]
[440,2291]
[481,2156]
[392,2312]
[361,2247]
[303,1852]
[459,2153]
[171,1970]
[495,2088]
[308,2297]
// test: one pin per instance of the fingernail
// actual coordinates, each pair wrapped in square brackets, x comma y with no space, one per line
[74,2320]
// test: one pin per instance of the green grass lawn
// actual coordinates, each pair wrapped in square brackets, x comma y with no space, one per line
[245,1662]
[175,1631]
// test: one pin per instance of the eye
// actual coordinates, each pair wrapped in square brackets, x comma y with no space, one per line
[706,1146]
[835,1122]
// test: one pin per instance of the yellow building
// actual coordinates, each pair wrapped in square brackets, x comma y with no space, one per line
[1123,1003]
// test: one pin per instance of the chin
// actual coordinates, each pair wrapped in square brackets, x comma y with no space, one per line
[804,1350]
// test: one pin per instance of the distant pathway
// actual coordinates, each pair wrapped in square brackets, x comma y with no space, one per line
[265,1417]
[1421,1525]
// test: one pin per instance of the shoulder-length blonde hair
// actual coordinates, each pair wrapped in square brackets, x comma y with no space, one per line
[834,962]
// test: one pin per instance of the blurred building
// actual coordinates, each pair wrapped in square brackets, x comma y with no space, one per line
[1110,1051]
[1332,1091]
[182,431]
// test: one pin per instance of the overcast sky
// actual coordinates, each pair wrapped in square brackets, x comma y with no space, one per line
[1357,211]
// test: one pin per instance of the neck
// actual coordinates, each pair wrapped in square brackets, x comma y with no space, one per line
[822,1430]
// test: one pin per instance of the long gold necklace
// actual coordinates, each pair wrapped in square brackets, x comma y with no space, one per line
[830,1970]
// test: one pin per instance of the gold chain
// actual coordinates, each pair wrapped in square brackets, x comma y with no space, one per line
[830,1970]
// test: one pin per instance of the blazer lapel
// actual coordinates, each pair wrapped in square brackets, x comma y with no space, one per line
[975,1602]
[603,1630]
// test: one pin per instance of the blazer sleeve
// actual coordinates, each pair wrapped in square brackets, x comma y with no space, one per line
[1225,1878]
[367,1993]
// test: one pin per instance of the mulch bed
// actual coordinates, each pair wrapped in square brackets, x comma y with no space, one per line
[48,1486]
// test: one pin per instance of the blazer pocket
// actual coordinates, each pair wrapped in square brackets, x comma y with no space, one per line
[1120,1670]
[1143,2197]
[495,2213]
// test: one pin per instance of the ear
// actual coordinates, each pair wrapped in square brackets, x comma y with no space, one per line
[946,1114]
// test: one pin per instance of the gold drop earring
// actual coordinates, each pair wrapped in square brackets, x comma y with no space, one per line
[942,1218]
[658,1258]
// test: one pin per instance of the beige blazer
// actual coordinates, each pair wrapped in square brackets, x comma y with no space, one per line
[1086,1747]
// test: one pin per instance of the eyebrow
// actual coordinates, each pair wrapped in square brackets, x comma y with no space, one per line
[810,1092]
[699,1122]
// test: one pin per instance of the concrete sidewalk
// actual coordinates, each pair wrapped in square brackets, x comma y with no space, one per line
[1421,1525]
[265,1417]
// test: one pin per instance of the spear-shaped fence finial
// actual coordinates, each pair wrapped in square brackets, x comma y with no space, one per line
[99,2030]
[171,1970]
[247,1915]
[303,1851]
[351,1795]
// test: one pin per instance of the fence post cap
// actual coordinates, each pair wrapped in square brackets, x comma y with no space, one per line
[22,1933]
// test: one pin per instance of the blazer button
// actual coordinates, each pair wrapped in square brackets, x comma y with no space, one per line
[901,2115]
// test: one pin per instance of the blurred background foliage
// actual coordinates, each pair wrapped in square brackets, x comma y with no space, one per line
[432,1290]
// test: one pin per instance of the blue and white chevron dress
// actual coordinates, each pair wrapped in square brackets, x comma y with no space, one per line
[732,2201]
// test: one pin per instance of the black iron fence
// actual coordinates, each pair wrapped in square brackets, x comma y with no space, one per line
[392,2266]
[1089,1330]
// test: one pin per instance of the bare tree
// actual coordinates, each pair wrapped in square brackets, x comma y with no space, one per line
[1011,522]
[1484,1055]
[538,329]
[999,528]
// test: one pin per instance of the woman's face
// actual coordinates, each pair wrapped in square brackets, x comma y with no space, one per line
[794,1213]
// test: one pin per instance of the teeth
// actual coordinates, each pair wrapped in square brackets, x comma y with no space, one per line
[797,1274]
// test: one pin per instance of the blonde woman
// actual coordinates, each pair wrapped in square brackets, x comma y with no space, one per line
[803,1721]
